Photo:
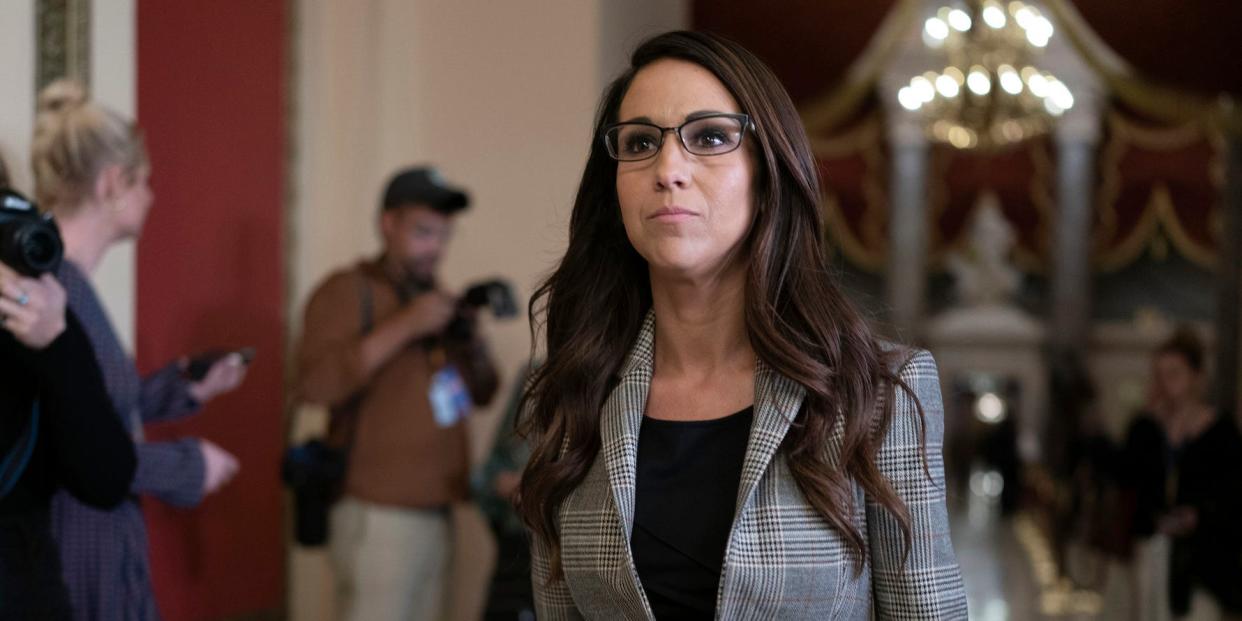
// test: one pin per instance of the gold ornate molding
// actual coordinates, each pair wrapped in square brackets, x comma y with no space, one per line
[1160,224]
[64,41]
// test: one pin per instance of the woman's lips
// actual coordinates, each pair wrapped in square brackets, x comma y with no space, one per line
[672,214]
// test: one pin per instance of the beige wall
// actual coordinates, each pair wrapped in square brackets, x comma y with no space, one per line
[17,71]
[500,96]
[114,83]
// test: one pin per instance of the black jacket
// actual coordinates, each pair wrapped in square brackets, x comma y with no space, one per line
[81,447]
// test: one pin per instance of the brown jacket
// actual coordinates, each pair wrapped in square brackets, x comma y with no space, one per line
[399,455]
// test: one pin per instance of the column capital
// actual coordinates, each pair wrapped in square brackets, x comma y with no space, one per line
[905,131]
[1084,122]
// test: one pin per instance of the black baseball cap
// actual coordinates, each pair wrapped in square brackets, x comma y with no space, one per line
[423,185]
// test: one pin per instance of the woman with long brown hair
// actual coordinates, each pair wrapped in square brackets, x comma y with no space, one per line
[716,431]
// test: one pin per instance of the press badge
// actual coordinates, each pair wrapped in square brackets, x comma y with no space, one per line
[450,400]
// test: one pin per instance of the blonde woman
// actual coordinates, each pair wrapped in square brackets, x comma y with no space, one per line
[91,171]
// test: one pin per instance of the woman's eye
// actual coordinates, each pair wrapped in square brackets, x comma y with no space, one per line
[640,143]
[713,136]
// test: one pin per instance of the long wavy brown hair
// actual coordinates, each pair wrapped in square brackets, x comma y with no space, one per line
[799,322]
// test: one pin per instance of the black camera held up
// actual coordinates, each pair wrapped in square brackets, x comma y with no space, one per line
[496,295]
[29,241]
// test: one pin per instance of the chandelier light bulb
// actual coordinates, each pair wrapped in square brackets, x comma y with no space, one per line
[923,89]
[1009,80]
[1044,25]
[993,16]
[962,138]
[936,28]
[947,86]
[978,82]
[959,20]
[909,99]
[1060,94]
[1025,17]
[1037,84]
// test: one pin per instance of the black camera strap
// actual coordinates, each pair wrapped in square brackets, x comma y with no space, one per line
[14,464]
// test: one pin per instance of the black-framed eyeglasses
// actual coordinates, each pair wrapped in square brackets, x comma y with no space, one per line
[714,134]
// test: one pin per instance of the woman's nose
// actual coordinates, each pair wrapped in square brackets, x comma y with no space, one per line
[672,164]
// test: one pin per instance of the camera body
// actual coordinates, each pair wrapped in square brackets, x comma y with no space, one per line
[495,295]
[30,242]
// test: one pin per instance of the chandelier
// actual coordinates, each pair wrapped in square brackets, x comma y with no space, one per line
[989,93]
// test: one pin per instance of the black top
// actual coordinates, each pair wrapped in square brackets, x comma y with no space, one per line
[81,447]
[1205,473]
[686,494]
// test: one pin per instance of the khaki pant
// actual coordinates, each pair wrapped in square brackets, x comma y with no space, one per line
[391,563]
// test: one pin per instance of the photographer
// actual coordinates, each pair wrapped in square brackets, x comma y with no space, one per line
[57,431]
[399,362]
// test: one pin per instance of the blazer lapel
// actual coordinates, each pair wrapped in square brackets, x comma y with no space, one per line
[621,420]
[777,399]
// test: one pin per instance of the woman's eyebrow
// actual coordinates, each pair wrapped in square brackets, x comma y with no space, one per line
[697,114]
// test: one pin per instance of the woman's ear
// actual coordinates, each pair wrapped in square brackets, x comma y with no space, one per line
[109,184]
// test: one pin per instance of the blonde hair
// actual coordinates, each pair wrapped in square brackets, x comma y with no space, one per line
[74,140]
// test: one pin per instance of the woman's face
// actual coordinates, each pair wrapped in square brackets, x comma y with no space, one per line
[133,202]
[1176,382]
[683,213]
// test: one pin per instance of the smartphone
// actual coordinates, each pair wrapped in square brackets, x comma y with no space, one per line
[199,365]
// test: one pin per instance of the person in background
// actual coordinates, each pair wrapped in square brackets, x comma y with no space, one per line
[1183,459]
[91,171]
[495,489]
[400,364]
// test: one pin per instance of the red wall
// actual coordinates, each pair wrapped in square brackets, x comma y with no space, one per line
[211,99]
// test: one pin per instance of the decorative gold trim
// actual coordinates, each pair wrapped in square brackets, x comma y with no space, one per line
[864,134]
[939,160]
[1172,225]
[845,241]
[1151,99]
[1159,213]
[827,111]
[1159,138]
[864,139]
[63,29]
[875,194]
[1040,194]
[1110,184]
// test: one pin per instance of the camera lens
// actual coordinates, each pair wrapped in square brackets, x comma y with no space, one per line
[40,248]
[31,247]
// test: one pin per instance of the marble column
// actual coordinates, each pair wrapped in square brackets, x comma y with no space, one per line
[908,226]
[1077,137]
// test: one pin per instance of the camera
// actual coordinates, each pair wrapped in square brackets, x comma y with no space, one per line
[496,295]
[29,241]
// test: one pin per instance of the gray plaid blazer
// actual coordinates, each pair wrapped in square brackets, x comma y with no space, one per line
[782,561]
